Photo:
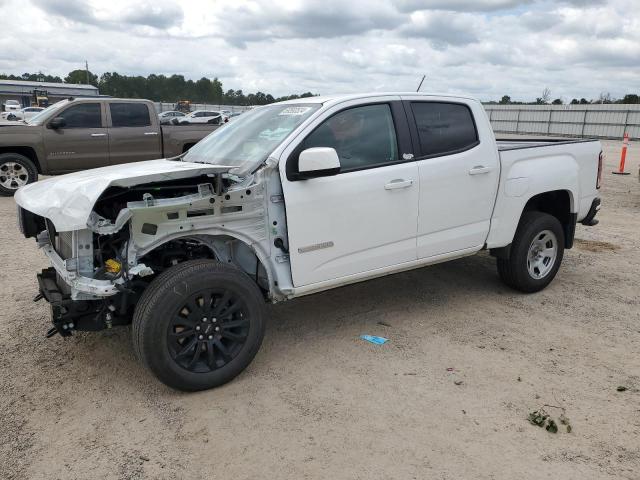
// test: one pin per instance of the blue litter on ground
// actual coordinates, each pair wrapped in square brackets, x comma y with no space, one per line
[375,340]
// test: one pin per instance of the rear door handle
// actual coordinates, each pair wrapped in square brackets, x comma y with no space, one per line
[150,133]
[398,183]
[98,134]
[479,170]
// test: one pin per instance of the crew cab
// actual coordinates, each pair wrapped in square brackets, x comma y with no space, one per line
[82,133]
[291,199]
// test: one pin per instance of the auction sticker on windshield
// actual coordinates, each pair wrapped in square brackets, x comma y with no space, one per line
[295,111]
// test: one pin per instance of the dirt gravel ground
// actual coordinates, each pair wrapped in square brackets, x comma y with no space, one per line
[318,402]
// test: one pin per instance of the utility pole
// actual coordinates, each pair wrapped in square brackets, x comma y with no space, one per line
[86,67]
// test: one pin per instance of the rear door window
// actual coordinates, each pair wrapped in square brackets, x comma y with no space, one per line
[444,128]
[129,115]
[83,115]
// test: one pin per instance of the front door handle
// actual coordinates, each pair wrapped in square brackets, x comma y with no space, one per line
[150,133]
[98,134]
[479,170]
[398,183]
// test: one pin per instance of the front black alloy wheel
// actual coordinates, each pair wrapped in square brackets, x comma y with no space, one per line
[199,324]
[208,330]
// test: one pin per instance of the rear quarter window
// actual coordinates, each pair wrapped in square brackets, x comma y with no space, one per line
[444,128]
[130,115]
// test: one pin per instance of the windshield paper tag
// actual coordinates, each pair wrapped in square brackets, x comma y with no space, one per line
[295,111]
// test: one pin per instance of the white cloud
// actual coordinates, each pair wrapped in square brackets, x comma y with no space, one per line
[484,47]
[444,29]
[460,5]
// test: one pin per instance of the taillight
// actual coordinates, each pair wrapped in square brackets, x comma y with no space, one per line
[599,179]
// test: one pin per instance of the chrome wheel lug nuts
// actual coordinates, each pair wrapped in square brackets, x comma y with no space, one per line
[217,329]
[200,337]
[198,327]
[210,337]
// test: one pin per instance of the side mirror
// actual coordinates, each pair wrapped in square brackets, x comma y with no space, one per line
[318,162]
[57,122]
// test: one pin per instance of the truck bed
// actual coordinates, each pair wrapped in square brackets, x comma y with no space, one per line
[529,166]
[506,144]
[175,138]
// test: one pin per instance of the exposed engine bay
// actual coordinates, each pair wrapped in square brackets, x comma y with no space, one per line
[134,233]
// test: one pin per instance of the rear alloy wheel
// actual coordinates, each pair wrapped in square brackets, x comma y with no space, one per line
[199,324]
[535,255]
[542,254]
[15,171]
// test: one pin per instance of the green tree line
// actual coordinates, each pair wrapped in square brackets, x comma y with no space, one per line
[160,88]
[604,98]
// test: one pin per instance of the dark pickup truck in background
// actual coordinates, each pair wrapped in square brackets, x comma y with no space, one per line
[83,133]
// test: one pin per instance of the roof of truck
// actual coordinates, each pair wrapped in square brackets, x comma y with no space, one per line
[106,98]
[356,96]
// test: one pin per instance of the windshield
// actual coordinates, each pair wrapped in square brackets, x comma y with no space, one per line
[44,114]
[248,141]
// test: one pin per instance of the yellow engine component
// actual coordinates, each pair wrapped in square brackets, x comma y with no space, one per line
[113,266]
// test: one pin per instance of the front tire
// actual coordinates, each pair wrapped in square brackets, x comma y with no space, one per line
[15,171]
[536,253]
[199,324]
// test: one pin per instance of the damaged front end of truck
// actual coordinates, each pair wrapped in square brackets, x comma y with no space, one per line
[137,228]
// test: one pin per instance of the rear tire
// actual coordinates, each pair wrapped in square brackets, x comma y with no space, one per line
[536,253]
[199,324]
[15,171]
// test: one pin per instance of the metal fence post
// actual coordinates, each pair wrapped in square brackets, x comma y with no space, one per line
[584,122]
[626,122]
[518,120]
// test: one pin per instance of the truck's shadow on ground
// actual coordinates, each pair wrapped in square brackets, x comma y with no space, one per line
[435,283]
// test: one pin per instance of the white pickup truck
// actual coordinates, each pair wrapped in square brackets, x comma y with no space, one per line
[295,198]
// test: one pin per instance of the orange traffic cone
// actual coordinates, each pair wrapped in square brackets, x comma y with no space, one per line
[623,156]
